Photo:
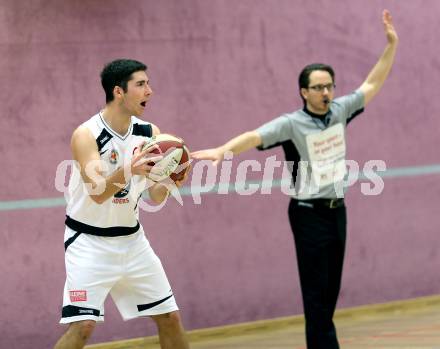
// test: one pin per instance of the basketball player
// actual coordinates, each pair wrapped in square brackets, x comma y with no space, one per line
[317,217]
[106,250]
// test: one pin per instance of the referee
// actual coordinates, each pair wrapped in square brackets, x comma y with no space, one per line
[315,136]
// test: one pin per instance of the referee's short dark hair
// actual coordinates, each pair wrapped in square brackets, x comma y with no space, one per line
[118,73]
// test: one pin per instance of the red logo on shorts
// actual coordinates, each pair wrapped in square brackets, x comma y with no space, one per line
[78,296]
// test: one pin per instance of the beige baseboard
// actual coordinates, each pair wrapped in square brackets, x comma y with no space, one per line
[270,324]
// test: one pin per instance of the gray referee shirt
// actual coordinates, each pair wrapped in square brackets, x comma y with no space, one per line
[291,130]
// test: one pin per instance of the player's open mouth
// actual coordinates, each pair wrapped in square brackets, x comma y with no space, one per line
[144,103]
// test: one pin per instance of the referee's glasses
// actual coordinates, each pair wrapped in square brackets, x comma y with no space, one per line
[321,88]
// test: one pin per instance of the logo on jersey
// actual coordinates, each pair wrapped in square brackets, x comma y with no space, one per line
[120,196]
[124,192]
[78,296]
[114,156]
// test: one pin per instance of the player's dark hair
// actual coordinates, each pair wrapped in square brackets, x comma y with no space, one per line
[304,76]
[118,73]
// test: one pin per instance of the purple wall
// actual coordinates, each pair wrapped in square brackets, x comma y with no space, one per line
[217,68]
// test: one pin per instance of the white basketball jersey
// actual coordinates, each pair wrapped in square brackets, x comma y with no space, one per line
[119,214]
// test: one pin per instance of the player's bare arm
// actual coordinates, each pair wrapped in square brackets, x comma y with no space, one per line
[236,145]
[156,129]
[380,71]
[159,191]
[101,188]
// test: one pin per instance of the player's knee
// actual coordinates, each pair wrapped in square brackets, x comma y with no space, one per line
[169,319]
[84,329]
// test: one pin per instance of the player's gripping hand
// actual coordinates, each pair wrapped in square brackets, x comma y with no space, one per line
[180,182]
[143,160]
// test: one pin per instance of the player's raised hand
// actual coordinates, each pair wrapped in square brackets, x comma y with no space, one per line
[214,154]
[390,31]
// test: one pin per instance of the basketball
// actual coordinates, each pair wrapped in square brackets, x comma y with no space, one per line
[175,159]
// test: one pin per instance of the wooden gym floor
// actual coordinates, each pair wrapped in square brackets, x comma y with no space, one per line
[412,324]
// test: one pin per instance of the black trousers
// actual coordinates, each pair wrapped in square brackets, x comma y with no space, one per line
[320,234]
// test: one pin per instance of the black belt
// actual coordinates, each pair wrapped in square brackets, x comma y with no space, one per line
[91,230]
[322,203]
